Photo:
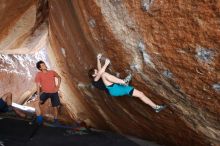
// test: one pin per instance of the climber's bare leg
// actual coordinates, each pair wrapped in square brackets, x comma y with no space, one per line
[113,79]
[143,98]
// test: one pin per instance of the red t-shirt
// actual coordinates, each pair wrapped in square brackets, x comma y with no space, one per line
[47,81]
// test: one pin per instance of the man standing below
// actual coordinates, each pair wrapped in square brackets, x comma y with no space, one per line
[45,80]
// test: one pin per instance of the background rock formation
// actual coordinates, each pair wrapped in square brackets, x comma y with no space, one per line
[171,47]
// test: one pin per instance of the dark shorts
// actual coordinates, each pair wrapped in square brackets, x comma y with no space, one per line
[54,97]
[120,90]
[3,106]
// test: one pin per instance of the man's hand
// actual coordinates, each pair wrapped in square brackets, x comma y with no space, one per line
[107,61]
[99,56]
[57,88]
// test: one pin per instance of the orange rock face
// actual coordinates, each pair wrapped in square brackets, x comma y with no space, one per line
[170,47]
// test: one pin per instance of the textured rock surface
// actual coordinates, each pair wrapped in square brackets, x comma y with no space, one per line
[16,74]
[171,47]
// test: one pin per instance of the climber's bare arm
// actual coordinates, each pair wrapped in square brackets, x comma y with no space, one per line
[99,66]
[102,70]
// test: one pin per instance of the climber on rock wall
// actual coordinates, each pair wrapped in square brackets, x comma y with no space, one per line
[117,87]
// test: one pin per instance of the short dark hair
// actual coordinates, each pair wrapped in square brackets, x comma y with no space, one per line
[91,72]
[38,64]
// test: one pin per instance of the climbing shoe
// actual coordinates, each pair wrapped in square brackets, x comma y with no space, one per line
[128,79]
[39,120]
[159,108]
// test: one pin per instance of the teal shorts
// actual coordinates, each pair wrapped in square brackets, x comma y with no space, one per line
[120,90]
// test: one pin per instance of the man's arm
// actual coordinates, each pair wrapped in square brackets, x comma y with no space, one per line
[102,70]
[98,62]
[59,81]
[37,81]
[38,89]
